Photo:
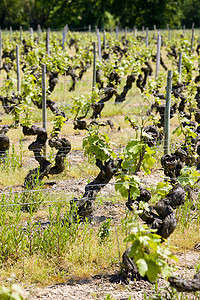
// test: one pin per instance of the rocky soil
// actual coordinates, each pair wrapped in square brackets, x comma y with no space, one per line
[102,287]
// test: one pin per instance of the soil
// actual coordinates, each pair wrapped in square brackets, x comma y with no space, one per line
[101,287]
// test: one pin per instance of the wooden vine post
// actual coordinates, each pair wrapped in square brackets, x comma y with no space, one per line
[135,32]
[18,69]
[183,29]
[169,33]
[39,32]
[63,40]
[167,113]
[94,67]
[104,40]
[11,33]
[31,34]
[117,32]
[47,41]
[192,39]
[99,44]
[64,36]
[125,31]
[158,55]
[154,29]
[147,37]
[180,65]
[0,46]
[20,33]
[44,106]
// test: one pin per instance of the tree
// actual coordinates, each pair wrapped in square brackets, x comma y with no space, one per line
[191,13]
[39,12]
[147,13]
[11,13]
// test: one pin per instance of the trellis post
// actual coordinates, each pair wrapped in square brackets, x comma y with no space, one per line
[47,41]
[183,29]
[18,69]
[99,44]
[180,65]
[44,105]
[158,55]
[154,29]
[169,33]
[94,67]
[135,32]
[167,113]
[20,32]
[11,33]
[142,29]
[39,31]
[192,39]
[125,32]
[31,34]
[117,32]
[147,37]
[104,40]
[63,40]
[0,46]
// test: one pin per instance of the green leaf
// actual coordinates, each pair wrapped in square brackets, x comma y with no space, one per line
[135,149]
[189,175]
[163,188]
[142,266]
[166,271]
[145,134]
[152,270]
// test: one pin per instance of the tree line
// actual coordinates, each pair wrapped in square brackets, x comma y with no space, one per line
[79,14]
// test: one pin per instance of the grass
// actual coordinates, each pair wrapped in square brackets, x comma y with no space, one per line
[83,255]
[80,252]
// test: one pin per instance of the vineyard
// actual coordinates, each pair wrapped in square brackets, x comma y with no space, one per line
[100,160]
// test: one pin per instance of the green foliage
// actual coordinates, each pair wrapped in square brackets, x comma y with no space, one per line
[109,297]
[189,176]
[137,155]
[97,145]
[188,132]
[33,196]
[104,231]
[148,13]
[12,160]
[150,256]
[81,105]
[128,185]
[58,123]
[109,21]
[51,240]
[11,233]
[162,189]
[104,14]
[15,292]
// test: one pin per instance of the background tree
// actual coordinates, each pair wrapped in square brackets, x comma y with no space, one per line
[147,13]
[39,12]
[191,13]
[11,13]
[79,14]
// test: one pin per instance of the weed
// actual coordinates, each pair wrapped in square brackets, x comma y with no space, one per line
[104,231]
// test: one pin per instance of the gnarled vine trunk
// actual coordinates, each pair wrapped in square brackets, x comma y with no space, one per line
[107,170]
